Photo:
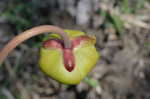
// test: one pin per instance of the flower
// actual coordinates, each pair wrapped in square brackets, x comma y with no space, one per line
[68,65]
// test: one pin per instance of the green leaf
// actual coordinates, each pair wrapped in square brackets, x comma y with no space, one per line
[118,23]
[125,7]
[147,44]
[91,82]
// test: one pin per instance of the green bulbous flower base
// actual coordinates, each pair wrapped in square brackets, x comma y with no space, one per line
[85,54]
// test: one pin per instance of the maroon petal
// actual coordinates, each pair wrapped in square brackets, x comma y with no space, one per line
[53,43]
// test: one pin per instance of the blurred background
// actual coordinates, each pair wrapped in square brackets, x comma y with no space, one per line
[122,30]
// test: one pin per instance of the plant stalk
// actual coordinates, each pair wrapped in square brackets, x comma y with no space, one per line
[31,33]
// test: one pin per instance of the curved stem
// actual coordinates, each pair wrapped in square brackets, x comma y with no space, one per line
[30,33]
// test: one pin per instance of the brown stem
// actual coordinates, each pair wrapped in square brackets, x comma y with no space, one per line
[30,33]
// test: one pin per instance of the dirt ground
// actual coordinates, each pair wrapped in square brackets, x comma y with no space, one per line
[122,72]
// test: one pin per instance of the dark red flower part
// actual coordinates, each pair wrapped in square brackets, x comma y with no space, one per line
[69,60]
[68,56]
[53,43]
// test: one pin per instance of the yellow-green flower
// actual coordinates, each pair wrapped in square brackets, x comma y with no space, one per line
[68,66]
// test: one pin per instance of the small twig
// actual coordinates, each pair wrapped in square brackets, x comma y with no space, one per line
[7,93]
[11,73]
[24,93]
[130,19]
